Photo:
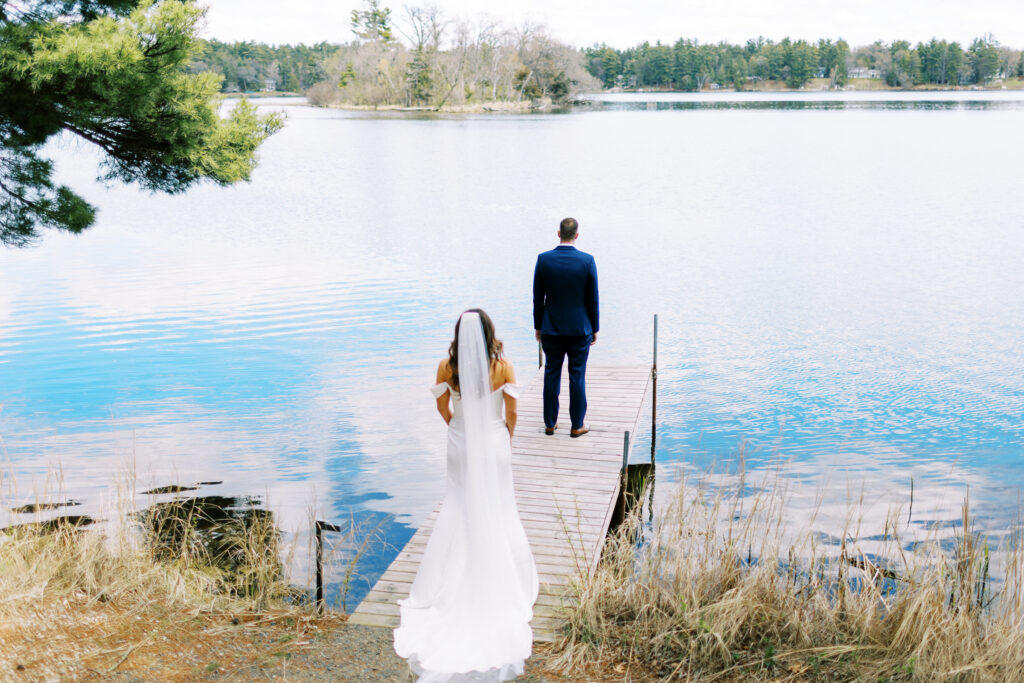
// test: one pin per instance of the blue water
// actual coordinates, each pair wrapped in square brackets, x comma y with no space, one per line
[838,284]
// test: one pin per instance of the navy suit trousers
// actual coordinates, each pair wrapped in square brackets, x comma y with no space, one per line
[556,348]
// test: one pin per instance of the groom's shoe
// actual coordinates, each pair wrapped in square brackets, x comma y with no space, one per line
[574,433]
[550,430]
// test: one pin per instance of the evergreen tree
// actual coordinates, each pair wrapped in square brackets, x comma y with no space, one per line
[112,73]
[983,57]
[373,23]
[418,77]
[801,62]
[611,66]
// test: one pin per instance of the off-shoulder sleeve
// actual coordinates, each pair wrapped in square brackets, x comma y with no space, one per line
[511,389]
[438,389]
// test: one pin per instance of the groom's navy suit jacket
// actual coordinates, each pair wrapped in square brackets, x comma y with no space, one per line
[565,293]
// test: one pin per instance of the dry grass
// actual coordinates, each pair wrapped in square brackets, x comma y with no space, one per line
[191,588]
[724,589]
[167,559]
[75,601]
[140,592]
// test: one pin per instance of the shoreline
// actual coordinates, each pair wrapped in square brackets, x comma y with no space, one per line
[823,85]
[813,85]
[522,107]
[489,107]
[588,99]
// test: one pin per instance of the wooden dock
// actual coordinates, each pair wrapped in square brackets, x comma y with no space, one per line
[566,490]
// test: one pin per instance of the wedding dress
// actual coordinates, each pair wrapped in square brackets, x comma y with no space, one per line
[468,612]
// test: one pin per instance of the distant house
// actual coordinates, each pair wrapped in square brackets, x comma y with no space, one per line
[863,72]
[269,85]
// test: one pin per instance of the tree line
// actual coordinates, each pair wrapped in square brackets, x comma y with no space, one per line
[441,61]
[445,61]
[248,66]
[691,65]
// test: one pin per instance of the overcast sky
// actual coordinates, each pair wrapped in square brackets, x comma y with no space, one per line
[623,23]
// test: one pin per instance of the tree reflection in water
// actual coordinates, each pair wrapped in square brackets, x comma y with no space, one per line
[233,537]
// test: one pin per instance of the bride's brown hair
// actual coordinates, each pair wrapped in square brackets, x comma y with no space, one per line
[494,345]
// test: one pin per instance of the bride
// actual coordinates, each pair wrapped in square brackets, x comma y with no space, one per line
[467,615]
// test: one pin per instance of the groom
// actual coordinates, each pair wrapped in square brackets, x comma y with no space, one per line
[565,319]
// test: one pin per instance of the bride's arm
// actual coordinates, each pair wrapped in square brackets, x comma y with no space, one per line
[444,373]
[510,402]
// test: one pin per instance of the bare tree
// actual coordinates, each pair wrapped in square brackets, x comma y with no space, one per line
[453,66]
[425,27]
[445,62]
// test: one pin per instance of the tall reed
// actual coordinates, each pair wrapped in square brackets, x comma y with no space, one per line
[726,588]
[57,562]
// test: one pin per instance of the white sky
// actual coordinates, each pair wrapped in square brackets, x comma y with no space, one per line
[626,23]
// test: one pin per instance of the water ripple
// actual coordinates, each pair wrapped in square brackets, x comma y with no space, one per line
[836,292]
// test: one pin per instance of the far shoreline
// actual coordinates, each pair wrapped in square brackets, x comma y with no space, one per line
[824,85]
[545,105]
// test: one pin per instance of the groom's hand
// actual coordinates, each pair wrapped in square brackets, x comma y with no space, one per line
[593,339]
[537,334]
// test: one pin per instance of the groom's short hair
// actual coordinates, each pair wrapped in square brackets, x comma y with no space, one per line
[567,228]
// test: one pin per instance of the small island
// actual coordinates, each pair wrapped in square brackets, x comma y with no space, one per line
[426,61]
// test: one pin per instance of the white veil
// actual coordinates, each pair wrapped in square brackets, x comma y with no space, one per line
[501,564]
[479,474]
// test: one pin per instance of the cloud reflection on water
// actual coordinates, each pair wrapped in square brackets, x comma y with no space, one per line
[834,288]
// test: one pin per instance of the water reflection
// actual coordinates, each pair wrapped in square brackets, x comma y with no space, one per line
[810,105]
[836,290]
[30,508]
[636,498]
[233,535]
[48,526]
[836,517]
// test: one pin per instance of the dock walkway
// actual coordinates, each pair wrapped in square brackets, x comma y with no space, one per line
[566,491]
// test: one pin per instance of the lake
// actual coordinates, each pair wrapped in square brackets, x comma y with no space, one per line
[838,279]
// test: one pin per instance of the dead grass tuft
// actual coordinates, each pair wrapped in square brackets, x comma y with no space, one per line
[79,599]
[724,590]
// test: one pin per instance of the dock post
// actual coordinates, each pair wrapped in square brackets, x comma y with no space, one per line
[625,450]
[654,392]
[321,527]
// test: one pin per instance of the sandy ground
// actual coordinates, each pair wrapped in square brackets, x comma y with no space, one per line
[100,642]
